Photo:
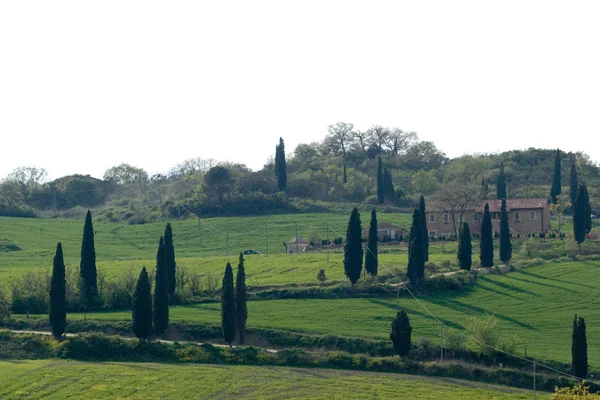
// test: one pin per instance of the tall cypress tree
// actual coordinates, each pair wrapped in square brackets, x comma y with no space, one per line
[228,315]
[401,333]
[588,209]
[380,187]
[505,245]
[170,258]
[241,296]
[389,193]
[465,248]
[579,216]
[276,160]
[161,291]
[87,266]
[501,183]
[281,167]
[573,184]
[422,210]
[486,246]
[556,189]
[58,295]
[345,177]
[579,358]
[485,190]
[353,251]
[416,260]
[371,256]
[142,307]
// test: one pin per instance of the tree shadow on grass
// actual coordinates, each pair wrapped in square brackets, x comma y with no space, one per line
[505,285]
[424,314]
[555,280]
[539,283]
[495,291]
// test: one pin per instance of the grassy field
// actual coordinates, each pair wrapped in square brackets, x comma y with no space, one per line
[537,304]
[78,380]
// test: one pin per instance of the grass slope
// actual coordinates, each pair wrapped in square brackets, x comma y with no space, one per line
[537,304]
[78,380]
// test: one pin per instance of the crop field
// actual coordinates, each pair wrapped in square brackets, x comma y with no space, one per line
[79,380]
[537,304]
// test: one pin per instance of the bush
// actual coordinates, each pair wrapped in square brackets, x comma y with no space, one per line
[5,308]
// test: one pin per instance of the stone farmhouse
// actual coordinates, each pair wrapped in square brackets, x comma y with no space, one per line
[387,230]
[524,216]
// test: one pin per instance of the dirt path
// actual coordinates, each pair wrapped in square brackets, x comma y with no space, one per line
[131,338]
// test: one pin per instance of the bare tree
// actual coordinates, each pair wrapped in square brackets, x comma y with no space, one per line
[360,141]
[400,142]
[379,137]
[28,176]
[341,137]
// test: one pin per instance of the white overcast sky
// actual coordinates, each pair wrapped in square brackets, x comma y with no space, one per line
[87,85]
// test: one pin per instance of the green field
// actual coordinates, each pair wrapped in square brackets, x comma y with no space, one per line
[78,380]
[537,304]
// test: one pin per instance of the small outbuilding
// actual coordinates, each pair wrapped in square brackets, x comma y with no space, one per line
[296,245]
[387,230]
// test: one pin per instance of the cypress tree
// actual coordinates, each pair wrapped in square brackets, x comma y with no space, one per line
[276,160]
[87,266]
[353,251]
[501,184]
[422,210]
[485,190]
[416,260]
[241,296]
[380,187]
[281,167]
[556,189]
[228,315]
[465,248]
[579,358]
[505,245]
[486,247]
[58,295]
[389,193]
[142,307]
[579,216]
[573,184]
[371,257]
[588,209]
[345,177]
[170,258]
[161,291]
[401,333]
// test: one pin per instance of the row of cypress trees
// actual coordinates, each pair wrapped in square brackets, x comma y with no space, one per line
[385,185]
[234,310]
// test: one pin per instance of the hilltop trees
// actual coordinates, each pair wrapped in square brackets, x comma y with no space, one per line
[170,258]
[505,245]
[371,257]
[58,295]
[161,291]
[353,251]
[556,189]
[501,183]
[87,266]
[228,314]
[579,358]
[423,212]
[142,307]
[280,165]
[465,249]
[241,296]
[416,258]
[401,333]
[486,246]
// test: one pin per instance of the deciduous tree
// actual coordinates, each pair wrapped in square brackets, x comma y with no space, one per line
[58,295]
[353,251]
[142,307]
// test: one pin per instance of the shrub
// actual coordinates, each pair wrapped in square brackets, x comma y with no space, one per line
[5,309]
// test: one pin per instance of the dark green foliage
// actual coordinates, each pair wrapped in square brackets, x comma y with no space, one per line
[280,166]
[241,297]
[556,189]
[401,332]
[501,183]
[416,259]
[580,208]
[588,209]
[505,245]
[579,358]
[573,184]
[380,186]
[486,246]
[58,295]
[389,193]
[87,266]
[170,258]
[485,189]
[465,248]
[161,291]
[353,251]
[142,307]
[345,178]
[371,256]
[424,228]
[228,314]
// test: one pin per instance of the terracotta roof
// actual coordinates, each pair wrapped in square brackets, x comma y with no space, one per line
[387,225]
[511,204]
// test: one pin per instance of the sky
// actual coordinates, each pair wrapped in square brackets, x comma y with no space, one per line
[88,85]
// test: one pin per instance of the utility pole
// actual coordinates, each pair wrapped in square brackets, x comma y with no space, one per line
[267,236]
[227,244]
[327,242]
[296,238]
[441,341]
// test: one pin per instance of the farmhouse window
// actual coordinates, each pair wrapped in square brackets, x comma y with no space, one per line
[532,215]
[517,216]
[432,218]
[432,233]
[446,218]
[475,217]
